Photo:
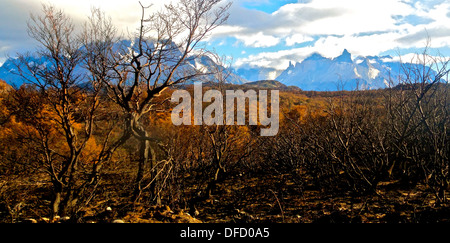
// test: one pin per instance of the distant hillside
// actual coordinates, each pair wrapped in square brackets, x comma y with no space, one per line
[268,84]
[263,84]
[4,87]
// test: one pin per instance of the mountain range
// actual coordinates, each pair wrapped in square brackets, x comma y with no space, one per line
[193,64]
[340,73]
[313,73]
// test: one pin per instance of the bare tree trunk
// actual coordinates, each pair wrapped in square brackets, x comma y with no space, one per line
[147,158]
[218,175]
[57,190]
[143,160]
[149,69]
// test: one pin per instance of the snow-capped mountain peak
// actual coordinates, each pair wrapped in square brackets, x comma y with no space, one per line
[344,57]
[126,49]
[315,57]
[329,74]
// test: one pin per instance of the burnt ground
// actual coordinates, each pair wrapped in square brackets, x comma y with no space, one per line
[249,199]
[280,199]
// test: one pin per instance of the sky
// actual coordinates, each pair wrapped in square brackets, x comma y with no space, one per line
[270,34]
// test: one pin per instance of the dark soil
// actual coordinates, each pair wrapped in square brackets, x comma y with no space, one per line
[281,199]
[246,198]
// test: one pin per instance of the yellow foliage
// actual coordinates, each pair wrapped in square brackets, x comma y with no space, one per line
[91,151]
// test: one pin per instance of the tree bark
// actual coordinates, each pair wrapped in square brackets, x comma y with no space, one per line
[147,158]
[57,198]
[143,160]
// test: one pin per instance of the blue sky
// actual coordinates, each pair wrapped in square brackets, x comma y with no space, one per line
[268,6]
[272,33]
[268,33]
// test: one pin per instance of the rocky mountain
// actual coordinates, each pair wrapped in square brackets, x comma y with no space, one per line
[206,65]
[316,72]
[329,74]
[7,73]
[193,64]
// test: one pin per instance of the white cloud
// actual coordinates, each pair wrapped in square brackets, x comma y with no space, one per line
[332,46]
[433,60]
[297,39]
[258,40]
[246,36]
[358,17]
[125,14]
[328,46]
[358,45]
[14,15]
[323,17]
[278,60]
[367,27]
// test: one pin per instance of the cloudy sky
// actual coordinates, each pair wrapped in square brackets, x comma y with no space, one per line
[268,33]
